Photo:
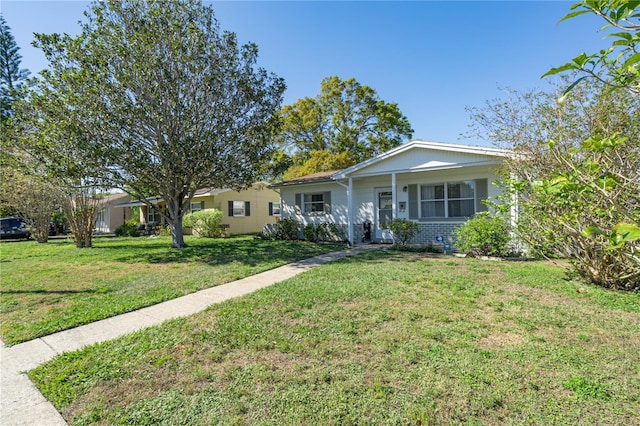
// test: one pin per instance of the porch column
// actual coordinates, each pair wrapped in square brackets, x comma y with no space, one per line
[350,210]
[394,197]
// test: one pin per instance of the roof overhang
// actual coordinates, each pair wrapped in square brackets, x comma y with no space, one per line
[316,178]
[138,203]
[423,169]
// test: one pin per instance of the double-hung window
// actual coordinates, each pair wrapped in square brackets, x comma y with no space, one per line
[154,215]
[239,208]
[197,206]
[274,209]
[432,200]
[461,199]
[449,199]
[313,203]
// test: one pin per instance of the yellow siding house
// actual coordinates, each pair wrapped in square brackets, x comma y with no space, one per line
[243,212]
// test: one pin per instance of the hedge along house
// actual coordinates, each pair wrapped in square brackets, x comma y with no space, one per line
[243,212]
[439,186]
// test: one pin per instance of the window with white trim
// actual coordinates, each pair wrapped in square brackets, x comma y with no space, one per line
[448,200]
[153,214]
[238,208]
[274,209]
[313,203]
[197,206]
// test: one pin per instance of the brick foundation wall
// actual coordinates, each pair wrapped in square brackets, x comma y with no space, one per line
[426,235]
[429,231]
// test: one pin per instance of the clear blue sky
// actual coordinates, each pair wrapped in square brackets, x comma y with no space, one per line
[432,58]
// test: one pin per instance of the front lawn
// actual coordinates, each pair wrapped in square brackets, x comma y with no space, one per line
[45,288]
[380,338]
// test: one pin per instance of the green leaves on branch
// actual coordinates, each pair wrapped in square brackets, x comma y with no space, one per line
[620,234]
[620,63]
[599,191]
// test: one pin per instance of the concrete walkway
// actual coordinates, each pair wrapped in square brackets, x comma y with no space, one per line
[22,404]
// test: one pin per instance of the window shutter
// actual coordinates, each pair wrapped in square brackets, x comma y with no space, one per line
[230,208]
[201,205]
[270,208]
[326,198]
[482,193]
[413,201]
[247,208]
[298,203]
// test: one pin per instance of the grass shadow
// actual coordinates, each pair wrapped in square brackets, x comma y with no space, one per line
[218,252]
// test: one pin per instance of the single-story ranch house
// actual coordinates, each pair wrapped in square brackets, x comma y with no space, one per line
[110,214]
[245,211]
[437,185]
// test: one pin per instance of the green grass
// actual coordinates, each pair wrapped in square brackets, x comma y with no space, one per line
[51,287]
[381,338]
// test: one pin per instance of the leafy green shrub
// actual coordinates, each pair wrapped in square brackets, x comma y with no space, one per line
[330,232]
[59,221]
[311,233]
[128,229]
[403,231]
[484,235]
[205,223]
[287,229]
[164,231]
[324,231]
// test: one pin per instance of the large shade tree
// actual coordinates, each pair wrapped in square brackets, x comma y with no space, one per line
[159,100]
[345,124]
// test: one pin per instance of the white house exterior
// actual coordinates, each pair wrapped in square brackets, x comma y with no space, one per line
[110,214]
[439,186]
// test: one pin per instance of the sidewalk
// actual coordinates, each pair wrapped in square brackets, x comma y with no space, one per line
[22,404]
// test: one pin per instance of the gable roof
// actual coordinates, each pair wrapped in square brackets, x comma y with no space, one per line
[436,156]
[416,155]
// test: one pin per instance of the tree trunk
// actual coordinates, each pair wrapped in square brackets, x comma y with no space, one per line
[40,229]
[81,211]
[176,203]
[177,233]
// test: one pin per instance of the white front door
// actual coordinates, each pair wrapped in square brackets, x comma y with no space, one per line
[384,212]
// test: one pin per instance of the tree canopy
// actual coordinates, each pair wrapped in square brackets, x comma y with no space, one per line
[12,77]
[345,124]
[158,99]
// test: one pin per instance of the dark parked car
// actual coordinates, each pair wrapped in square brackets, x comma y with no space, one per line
[13,227]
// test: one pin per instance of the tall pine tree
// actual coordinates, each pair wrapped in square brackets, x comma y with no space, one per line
[11,75]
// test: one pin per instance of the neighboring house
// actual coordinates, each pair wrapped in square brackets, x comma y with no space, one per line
[439,186]
[110,214]
[243,212]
